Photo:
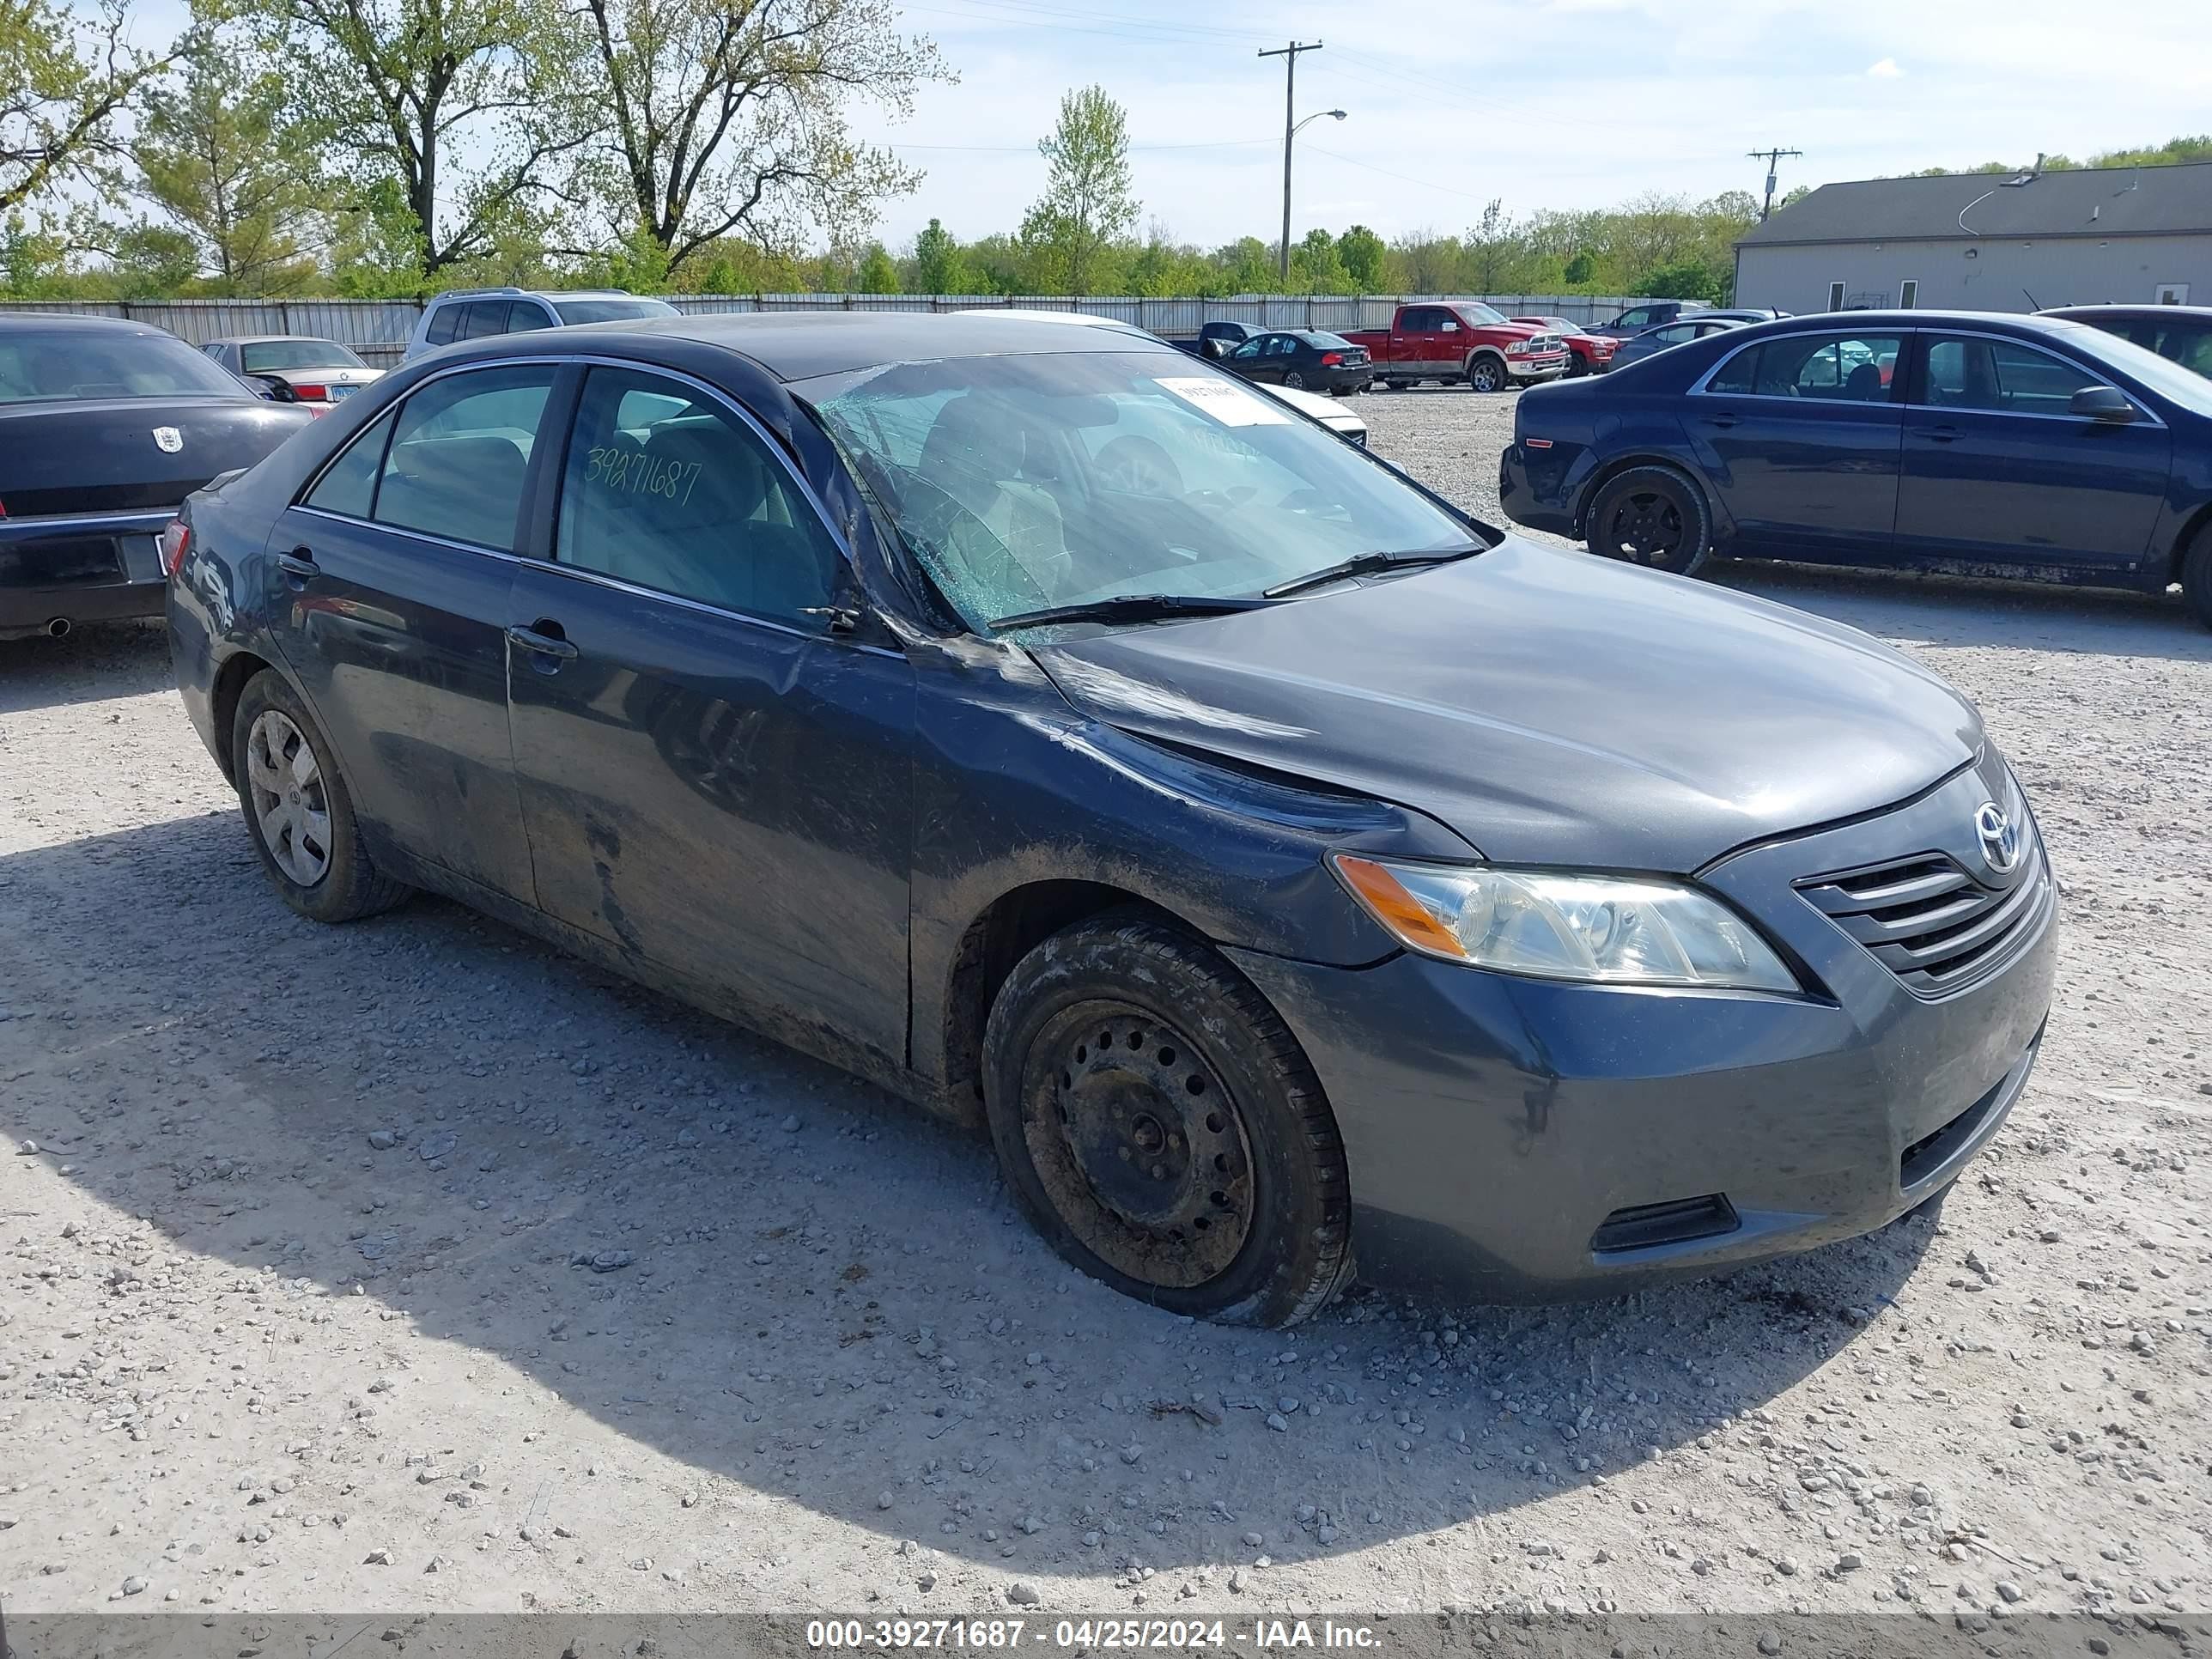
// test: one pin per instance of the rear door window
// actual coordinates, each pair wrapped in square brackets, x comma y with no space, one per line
[460,453]
[348,485]
[1852,369]
[480,317]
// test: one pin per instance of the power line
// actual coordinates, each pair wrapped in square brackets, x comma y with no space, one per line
[1773,159]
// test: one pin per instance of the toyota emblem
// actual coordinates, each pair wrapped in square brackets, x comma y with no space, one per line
[2000,836]
[169,440]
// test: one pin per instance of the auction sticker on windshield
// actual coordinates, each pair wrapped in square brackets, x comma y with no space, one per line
[1226,401]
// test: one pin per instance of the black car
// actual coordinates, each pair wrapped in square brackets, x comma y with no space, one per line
[2181,334]
[1304,358]
[1072,738]
[1956,440]
[105,427]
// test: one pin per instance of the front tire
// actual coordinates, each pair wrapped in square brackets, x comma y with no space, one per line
[299,809]
[1162,1129]
[1488,374]
[2196,576]
[1652,516]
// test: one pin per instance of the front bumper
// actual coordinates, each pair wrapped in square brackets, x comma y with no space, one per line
[80,567]
[1530,370]
[1499,1129]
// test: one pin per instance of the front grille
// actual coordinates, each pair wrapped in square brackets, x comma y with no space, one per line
[1928,921]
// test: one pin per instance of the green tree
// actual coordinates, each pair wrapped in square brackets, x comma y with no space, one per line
[1580,270]
[938,266]
[1089,200]
[214,157]
[64,81]
[1315,266]
[730,117]
[1491,246]
[152,262]
[469,103]
[877,275]
[1694,279]
[1362,253]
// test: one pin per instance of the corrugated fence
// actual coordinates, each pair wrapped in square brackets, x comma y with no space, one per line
[378,328]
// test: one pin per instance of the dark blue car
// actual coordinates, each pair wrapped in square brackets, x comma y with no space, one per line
[1286,871]
[1961,442]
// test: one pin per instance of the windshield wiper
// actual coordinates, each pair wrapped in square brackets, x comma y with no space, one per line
[1129,607]
[1364,564]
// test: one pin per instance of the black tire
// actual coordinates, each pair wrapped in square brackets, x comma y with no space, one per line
[1487,373]
[1113,1147]
[1296,381]
[348,886]
[1578,364]
[2197,576]
[1653,516]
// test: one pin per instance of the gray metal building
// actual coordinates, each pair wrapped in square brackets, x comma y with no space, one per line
[1988,242]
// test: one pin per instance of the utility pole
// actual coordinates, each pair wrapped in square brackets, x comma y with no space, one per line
[1290,56]
[1773,159]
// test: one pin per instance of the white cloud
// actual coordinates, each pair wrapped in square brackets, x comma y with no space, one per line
[1887,69]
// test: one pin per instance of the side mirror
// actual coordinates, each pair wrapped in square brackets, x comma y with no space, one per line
[1213,346]
[2102,402]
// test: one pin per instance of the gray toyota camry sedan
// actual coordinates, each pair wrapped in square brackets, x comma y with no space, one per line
[1290,873]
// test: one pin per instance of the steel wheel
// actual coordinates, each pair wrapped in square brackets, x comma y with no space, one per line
[291,805]
[1646,527]
[1139,1145]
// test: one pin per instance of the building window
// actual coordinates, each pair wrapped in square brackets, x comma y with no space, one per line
[1835,296]
[1908,295]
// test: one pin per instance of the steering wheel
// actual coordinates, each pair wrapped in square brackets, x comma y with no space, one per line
[1137,467]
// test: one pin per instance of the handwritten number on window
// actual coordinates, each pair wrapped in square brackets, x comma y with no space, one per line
[629,472]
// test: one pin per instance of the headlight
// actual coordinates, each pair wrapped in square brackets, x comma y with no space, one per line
[1549,924]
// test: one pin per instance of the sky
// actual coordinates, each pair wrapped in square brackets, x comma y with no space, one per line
[1541,103]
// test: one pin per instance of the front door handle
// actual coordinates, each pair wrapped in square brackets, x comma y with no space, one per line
[544,645]
[1942,434]
[299,565]
[1723,420]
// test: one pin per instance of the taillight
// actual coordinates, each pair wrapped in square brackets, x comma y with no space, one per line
[1332,360]
[176,540]
[311,394]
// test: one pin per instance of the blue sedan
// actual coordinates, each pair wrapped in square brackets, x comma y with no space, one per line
[1961,442]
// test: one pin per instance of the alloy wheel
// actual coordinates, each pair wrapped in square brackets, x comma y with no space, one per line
[291,805]
[1646,528]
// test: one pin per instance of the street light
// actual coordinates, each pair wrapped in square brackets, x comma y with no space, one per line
[1289,133]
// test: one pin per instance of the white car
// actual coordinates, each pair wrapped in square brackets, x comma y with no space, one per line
[1328,411]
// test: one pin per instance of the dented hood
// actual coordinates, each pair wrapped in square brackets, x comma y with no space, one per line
[1550,707]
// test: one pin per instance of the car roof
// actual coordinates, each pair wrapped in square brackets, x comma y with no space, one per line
[2112,309]
[264,339]
[12,320]
[2025,322]
[539,294]
[801,345]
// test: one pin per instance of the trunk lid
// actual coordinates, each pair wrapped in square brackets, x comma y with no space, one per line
[123,454]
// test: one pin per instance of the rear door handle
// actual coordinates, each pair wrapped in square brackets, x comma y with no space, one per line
[545,644]
[1942,434]
[1723,420]
[300,565]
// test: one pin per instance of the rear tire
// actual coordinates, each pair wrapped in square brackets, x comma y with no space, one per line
[1653,516]
[1488,374]
[2196,576]
[299,809]
[1162,1129]
[1294,381]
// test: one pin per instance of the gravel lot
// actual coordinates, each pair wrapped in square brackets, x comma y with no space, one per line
[411,1265]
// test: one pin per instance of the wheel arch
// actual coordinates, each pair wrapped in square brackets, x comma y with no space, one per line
[230,681]
[1000,935]
[2199,525]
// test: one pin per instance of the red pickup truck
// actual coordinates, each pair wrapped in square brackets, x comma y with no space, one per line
[1460,340]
